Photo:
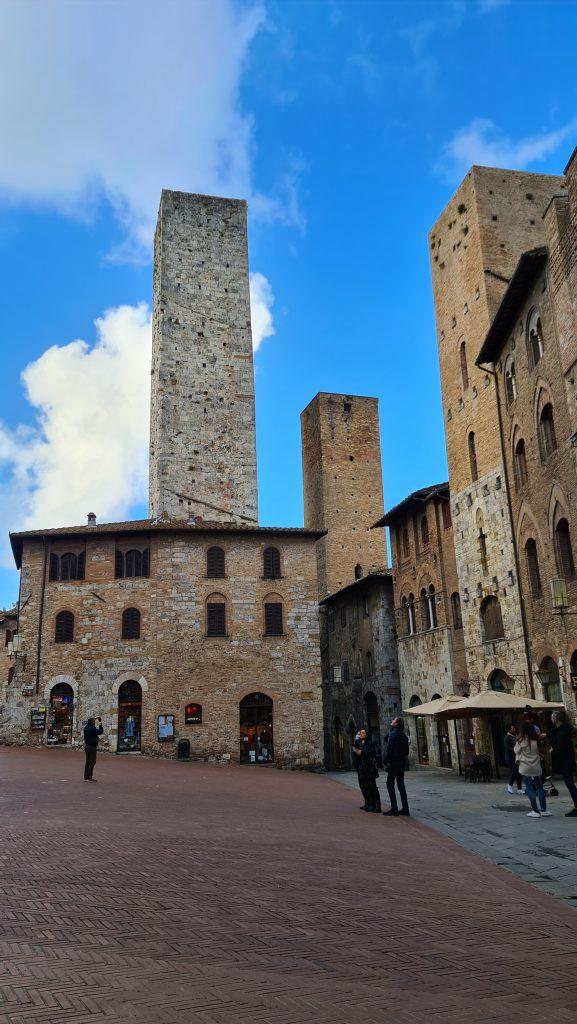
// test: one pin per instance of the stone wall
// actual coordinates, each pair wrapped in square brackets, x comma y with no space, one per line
[174,661]
[202,429]
[342,484]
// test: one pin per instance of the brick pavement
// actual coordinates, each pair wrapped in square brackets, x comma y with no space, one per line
[184,892]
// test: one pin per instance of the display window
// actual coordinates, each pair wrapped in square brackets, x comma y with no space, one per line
[256,729]
[61,715]
[129,717]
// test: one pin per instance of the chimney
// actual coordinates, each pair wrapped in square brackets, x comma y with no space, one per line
[91,519]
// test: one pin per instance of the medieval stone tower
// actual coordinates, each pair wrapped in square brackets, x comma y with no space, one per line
[474,247]
[342,484]
[202,429]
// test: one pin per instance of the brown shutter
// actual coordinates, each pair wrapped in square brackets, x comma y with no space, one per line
[131,624]
[54,567]
[273,618]
[215,566]
[271,563]
[64,631]
[80,565]
[146,562]
[216,618]
[118,565]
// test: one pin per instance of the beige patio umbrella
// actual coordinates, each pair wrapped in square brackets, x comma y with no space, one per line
[487,701]
[433,707]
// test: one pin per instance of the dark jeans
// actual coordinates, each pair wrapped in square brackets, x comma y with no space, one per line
[514,776]
[370,791]
[568,780]
[90,762]
[396,773]
[534,789]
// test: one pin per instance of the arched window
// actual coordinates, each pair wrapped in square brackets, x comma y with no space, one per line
[64,628]
[520,463]
[358,571]
[547,438]
[424,531]
[432,602]
[456,611]
[463,359]
[510,384]
[491,618]
[406,547]
[550,680]
[216,615]
[533,568]
[411,613]
[472,457]
[500,681]
[404,617]
[535,346]
[68,564]
[563,550]
[370,664]
[132,564]
[131,624]
[424,610]
[67,567]
[215,563]
[273,617]
[271,563]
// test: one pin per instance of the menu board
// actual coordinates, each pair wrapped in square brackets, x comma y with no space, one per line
[193,714]
[38,718]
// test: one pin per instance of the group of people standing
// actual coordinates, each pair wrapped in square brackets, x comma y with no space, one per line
[396,752]
[524,755]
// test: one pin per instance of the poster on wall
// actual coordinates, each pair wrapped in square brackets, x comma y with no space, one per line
[38,718]
[193,714]
[165,728]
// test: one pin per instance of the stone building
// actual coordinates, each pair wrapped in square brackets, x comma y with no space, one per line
[532,369]
[475,246]
[428,615]
[8,628]
[342,486]
[195,623]
[359,665]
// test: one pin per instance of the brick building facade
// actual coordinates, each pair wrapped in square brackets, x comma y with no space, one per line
[8,629]
[428,614]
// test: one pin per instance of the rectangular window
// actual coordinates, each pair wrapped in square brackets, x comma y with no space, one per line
[446,516]
[216,619]
[273,618]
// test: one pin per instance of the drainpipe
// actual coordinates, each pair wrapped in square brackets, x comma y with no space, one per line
[483,366]
[41,617]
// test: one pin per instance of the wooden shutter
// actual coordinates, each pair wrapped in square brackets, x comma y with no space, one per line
[80,565]
[492,619]
[54,567]
[273,618]
[131,624]
[215,563]
[564,553]
[216,618]
[118,565]
[146,562]
[64,631]
[271,563]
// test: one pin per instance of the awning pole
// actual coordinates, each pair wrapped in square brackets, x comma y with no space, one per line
[458,751]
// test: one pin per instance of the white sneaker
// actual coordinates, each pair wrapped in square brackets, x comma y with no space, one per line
[510,790]
[521,792]
[533,814]
[546,814]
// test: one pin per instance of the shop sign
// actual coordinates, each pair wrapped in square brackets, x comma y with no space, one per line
[27,691]
[193,714]
[38,718]
[165,728]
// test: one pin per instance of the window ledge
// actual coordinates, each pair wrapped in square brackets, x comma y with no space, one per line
[273,636]
[206,577]
[217,636]
[271,579]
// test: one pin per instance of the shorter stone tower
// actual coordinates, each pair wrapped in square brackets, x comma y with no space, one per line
[342,483]
[202,424]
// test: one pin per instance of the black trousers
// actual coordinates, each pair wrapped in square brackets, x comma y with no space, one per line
[514,776]
[396,773]
[370,791]
[90,761]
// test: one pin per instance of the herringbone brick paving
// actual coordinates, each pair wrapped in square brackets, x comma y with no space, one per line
[182,892]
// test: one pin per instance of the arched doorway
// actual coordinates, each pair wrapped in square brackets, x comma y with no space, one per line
[500,682]
[256,729]
[373,724]
[422,744]
[338,744]
[61,715]
[129,716]
[445,759]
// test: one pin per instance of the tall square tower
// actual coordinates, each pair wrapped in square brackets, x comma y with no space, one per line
[202,427]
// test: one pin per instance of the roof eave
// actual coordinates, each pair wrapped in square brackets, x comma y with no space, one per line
[529,265]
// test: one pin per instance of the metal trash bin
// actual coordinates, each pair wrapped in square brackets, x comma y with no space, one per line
[183,750]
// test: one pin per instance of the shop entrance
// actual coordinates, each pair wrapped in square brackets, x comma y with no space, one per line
[61,715]
[444,744]
[129,716]
[256,729]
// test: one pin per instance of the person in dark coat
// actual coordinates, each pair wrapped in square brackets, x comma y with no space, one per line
[511,760]
[367,772]
[395,762]
[92,733]
[563,755]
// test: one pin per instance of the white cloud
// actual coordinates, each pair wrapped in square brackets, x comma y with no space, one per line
[481,142]
[261,302]
[116,100]
[88,448]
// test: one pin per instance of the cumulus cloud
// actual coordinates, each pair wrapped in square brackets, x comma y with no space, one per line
[116,100]
[261,303]
[481,142]
[88,448]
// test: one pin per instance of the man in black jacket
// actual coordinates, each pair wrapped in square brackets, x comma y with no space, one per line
[395,761]
[92,734]
[367,772]
[563,755]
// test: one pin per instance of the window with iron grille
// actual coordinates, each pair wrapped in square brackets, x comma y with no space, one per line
[216,618]
[273,625]
[64,628]
[533,567]
[131,624]
[563,550]
[215,565]
[271,564]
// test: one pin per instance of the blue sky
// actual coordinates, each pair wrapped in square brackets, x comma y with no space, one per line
[346,125]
